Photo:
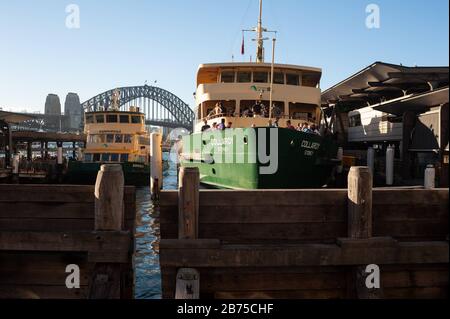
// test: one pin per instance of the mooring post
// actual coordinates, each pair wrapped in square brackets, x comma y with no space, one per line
[156,174]
[59,161]
[188,279]
[430,177]
[360,183]
[109,216]
[15,168]
[359,203]
[390,157]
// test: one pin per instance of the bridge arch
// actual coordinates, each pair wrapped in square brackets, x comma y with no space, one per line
[161,107]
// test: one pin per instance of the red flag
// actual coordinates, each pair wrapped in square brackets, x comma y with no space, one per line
[243,45]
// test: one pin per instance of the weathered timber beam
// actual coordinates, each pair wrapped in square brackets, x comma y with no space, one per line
[305,255]
[114,244]
[106,281]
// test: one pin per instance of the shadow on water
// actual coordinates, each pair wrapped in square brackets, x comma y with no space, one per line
[146,261]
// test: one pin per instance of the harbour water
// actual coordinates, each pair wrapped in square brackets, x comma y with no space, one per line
[146,261]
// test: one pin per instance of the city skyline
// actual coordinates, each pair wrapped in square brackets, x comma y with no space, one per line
[131,43]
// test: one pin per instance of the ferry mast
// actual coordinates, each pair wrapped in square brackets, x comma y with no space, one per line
[260,36]
[260,40]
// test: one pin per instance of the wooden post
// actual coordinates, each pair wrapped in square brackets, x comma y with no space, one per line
[188,203]
[188,279]
[109,215]
[359,203]
[360,227]
[109,198]
[156,170]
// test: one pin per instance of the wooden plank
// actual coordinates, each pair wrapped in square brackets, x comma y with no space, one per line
[275,233]
[305,255]
[293,231]
[50,224]
[46,193]
[302,294]
[54,210]
[381,196]
[411,229]
[406,213]
[118,242]
[189,243]
[262,214]
[417,293]
[415,278]
[263,197]
[41,292]
[54,193]
[213,281]
[46,210]
[52,274]
[410,197]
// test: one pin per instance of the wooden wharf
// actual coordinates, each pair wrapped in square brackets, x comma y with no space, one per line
[46,228]
[313,244]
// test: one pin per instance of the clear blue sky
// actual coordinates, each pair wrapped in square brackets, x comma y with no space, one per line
[123,43]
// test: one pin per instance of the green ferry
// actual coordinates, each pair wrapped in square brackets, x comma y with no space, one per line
[259,126]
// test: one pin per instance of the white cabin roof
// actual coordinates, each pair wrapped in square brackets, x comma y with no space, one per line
[256,65]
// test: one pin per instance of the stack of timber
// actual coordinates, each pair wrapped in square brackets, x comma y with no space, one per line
[313,244]
[45,228]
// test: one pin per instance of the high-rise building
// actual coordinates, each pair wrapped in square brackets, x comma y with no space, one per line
[72,110]
[52,105]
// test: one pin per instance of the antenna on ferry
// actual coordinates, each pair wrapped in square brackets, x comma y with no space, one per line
[260,36]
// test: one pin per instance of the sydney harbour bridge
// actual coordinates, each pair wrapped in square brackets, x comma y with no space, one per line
[161,107]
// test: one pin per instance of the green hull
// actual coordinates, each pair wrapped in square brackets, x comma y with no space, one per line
[234,158]
[135,174]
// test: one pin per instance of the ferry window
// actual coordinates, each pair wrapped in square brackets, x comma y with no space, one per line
[292,79]
[97,139]
[301,116]
[244,77]
[144,141]
[100,118]
[89,119]
[127,138]
[136,119]
[119,138]
[278,78]
[105,157]
[111,118]
[124,158]
[114,157]
[124,119]
[355,120]
[110,138]
[88,157]
[227,77]
[260,77]
[96,157]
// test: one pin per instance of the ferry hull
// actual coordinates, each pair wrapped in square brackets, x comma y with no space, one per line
[303,160]
[135,174]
